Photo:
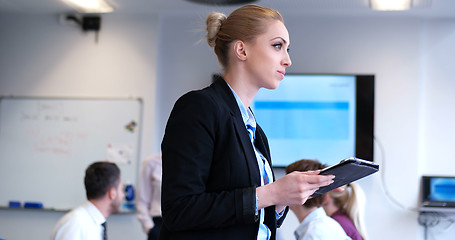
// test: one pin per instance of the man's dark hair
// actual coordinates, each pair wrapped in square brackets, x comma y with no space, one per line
[99,178]
[303,166]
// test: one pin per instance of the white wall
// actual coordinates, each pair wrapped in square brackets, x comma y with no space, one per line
[438,97]
[412,60]
[185,62]
[437,116]
[40,57]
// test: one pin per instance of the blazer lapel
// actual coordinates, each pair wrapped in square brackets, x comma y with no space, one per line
[242,133]
[250,156]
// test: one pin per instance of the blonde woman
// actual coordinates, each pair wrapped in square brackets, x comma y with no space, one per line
[218,182]
[346,205]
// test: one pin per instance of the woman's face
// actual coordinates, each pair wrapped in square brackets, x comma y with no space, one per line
[268,57]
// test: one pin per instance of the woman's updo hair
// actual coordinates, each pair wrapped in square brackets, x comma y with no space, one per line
[214,21]
[244,24]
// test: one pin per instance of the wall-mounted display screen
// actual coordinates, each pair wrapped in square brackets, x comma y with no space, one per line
[318,116]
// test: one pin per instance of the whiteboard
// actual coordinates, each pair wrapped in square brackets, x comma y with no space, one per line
[47,143]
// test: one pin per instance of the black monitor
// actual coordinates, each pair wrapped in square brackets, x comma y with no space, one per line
[327,117]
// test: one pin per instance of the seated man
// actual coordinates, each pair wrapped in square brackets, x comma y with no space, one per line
[314,222]
[104,190]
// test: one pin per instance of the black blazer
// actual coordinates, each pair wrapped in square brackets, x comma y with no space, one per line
[210,171]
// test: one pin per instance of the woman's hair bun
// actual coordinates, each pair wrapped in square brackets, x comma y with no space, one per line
[214,21]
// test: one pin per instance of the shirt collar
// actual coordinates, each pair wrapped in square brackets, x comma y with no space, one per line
[93,211]
[247,115]
[302,228]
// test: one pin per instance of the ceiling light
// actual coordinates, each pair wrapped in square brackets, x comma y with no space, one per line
[390,5]
[90,6]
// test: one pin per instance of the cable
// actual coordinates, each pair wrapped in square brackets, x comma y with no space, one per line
[426,219]
[450,220]
[383,183]
[432,219]
[429,219]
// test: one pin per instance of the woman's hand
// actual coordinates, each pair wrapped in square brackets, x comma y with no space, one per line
[292,189]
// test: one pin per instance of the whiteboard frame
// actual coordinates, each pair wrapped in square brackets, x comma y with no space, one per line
[137,148]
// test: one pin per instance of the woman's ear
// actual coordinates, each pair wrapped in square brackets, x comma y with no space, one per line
[239,50]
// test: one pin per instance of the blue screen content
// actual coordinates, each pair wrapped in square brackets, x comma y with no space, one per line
[309,116]
[442,189]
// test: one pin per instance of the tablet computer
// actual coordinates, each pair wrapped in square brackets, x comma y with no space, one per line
[346,171]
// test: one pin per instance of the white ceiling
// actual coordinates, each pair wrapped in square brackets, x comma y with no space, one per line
[421,8]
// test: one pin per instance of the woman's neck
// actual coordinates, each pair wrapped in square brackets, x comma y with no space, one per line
[242,86]
[301,212]
[330,209]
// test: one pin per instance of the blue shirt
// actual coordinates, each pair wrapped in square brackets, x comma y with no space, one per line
[248,118]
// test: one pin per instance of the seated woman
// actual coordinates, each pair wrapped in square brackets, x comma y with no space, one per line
[346,205]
